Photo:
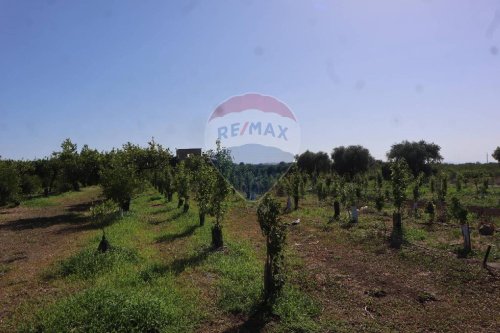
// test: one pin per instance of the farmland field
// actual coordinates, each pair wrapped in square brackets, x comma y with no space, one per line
[162,274]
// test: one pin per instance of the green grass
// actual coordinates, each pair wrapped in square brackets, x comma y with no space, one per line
[414,234]
[4,269]
[89,262]
[115,310]
[55,200]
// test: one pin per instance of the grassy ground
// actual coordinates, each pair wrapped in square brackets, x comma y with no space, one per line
[162,275]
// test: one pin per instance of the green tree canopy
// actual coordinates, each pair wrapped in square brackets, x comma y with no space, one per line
[351,160]
[419,155]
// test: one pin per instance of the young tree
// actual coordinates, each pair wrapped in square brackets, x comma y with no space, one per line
[379,196]
[204,178]
[430,209]
[166,183]
[182,181]
[218,209]
[459,181]
[416,192]
[335,191]
[296,185]
[443,187]
[399,179]
[274,230]
[120,181]
[459,213]
[321,190]
[70,163]
[349,199]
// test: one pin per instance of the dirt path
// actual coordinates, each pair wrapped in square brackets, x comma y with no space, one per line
[32,238]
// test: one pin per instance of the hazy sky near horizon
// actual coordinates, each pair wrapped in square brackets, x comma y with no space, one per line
[354,72]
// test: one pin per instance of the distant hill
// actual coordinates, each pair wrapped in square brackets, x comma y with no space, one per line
[255,154]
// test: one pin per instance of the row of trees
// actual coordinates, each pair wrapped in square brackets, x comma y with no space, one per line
[352,160]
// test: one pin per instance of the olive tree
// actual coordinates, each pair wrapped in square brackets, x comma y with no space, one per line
[399,178]
[268,214]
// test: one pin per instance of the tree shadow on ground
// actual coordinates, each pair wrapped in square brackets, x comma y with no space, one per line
[259,317]
[177,266]
[43,222]
[171,237]
[83,207]
[163,210]
[89,225]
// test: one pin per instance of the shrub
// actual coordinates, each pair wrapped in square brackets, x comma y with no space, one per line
[399,178]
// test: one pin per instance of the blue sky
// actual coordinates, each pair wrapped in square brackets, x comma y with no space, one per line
[354,72]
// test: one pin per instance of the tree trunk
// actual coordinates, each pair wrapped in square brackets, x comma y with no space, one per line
[296,202]
[169,196]
[336,209]
[268,280]
[125,206]
[180,203]
[397,231]
[202,219]
[217,241]
[186,206]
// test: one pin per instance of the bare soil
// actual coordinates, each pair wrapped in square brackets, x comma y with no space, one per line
[33,238]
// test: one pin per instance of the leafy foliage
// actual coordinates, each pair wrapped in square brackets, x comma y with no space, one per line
[399,178]
[351,160]
[203,184]
[9,183]
[457,211]
[270,223]
[120,181]
[419,155]
[496,154]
